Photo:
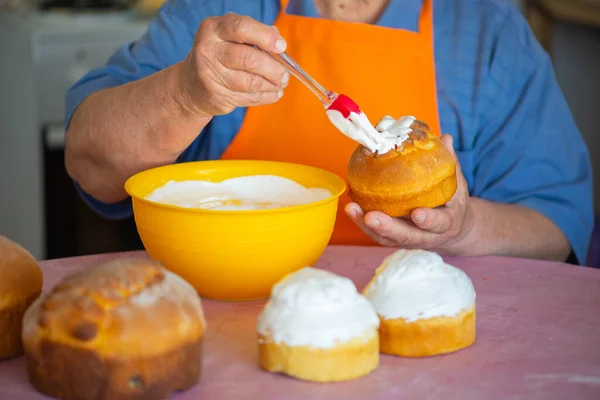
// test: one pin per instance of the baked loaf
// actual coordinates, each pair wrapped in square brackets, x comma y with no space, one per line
[20,284]
[426,307]
[317,327]
[126,329]
[417,172]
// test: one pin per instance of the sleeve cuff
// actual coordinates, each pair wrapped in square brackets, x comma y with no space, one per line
[116,211]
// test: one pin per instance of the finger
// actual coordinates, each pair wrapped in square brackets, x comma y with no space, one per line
[256,98]
[462,190]
[461,196]
[404,233]
[356,214]
[240,81]
[438,220]
[448,141]
[241,57]
[242,29]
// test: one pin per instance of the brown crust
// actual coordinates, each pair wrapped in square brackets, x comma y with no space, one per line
[71,373]
[126,329]
[428,337]
[346,361]
[20,284]
[20,272]
[11,320]
[419,173]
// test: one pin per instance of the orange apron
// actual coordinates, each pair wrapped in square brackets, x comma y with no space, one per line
[386,71]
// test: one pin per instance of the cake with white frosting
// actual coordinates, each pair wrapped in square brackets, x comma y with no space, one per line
[425,306]
[316,326]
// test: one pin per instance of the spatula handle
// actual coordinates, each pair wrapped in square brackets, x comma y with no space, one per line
[327,97]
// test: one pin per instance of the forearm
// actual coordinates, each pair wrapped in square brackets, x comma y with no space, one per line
[514,231]
[120,131]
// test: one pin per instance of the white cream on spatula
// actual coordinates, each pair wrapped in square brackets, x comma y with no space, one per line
[346,115]
[388,133]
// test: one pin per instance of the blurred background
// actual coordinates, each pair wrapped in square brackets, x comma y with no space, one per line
[46,45]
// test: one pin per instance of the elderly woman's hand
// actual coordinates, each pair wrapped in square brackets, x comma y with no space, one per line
[441,229]
[224,70]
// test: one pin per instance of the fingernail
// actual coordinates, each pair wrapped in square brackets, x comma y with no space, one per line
[420,217]
[280,94]
[351,212]
[373,223]
[285,79]
[280,45]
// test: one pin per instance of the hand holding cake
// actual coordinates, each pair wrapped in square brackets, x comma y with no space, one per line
[445,228]
[406,184]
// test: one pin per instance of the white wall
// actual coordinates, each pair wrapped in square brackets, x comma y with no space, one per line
[576,55]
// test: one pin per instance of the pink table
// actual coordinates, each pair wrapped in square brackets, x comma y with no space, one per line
[538,326]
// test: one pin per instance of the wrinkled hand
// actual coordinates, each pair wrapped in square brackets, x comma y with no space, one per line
[441,229]
[224,71]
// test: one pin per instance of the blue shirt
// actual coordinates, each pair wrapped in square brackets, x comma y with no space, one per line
[498,97]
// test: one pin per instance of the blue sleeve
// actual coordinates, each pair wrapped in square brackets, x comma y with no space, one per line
[529,150]
[168,40]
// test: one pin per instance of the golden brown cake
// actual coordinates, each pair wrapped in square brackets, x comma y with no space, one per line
[317,327]
[418,172]
[126,329]
[20,284]
[426,307]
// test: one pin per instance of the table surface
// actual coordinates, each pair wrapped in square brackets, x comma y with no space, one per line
[538,337]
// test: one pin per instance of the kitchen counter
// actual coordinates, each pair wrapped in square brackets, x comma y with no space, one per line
[538,327]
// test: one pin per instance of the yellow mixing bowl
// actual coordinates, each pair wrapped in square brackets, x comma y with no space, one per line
[234,255]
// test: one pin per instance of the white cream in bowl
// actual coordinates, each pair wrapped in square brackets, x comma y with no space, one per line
[256,192]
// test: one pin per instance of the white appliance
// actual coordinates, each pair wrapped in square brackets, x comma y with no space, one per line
[41,55]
